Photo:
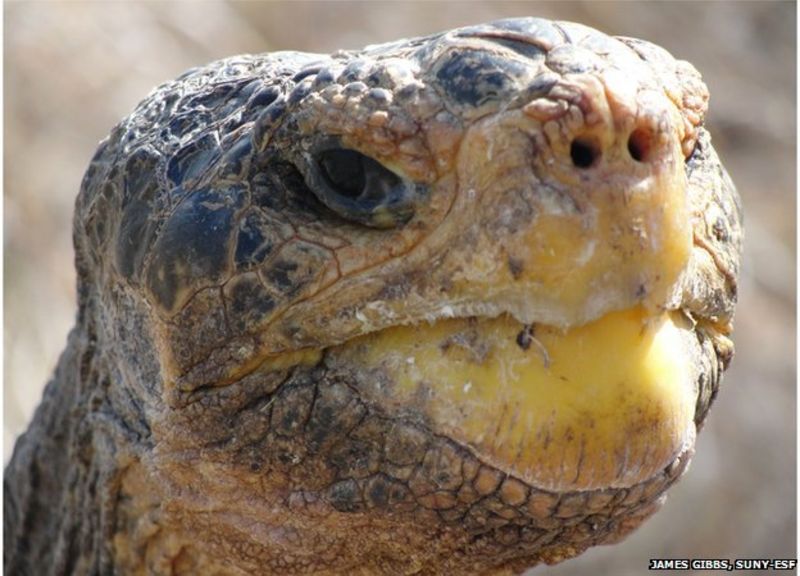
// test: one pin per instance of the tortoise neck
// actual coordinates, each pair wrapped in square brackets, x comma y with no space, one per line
[59,484]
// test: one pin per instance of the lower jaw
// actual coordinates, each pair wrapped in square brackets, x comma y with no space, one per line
[485,521]
[384,459]
[607,405]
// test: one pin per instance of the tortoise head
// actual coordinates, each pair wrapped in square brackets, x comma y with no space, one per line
[470,290]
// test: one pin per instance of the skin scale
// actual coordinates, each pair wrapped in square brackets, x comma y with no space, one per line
[455,304]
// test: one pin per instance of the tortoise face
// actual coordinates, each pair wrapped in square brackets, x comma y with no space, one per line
[409,273]
[491,170]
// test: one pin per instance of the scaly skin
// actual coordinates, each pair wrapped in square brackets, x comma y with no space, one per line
[272,372]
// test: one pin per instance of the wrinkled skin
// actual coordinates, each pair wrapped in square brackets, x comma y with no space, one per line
[205,417]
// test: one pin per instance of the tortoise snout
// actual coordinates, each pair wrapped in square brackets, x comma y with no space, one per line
[592,121]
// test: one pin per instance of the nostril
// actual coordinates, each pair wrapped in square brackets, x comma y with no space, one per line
[584,152]
[640,144]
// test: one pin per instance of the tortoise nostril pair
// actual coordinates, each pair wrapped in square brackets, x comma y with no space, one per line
[585,152]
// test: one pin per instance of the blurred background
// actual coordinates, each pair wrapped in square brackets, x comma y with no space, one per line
[73,69]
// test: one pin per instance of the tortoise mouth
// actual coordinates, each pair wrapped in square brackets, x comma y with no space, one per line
[603,405]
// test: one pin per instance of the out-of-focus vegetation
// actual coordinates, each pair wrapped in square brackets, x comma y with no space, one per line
[72,70]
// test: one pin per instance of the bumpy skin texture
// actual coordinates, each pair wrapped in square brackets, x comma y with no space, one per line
[201,419]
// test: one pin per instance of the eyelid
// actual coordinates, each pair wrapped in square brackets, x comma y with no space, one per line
[387,200]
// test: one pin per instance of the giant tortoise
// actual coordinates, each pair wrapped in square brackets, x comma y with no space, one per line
[449,305]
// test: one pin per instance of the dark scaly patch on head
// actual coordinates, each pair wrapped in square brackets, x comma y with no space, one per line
[192,249]
[475,77]
[248,301]
[138,171]
[193,160]
[136,227]
[280,275]
[237,144]
[219,94]
[264,97]
[189,124]
[225,97]
[297,266]
[255,241]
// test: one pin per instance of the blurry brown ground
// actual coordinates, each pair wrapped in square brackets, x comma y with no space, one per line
[72,70]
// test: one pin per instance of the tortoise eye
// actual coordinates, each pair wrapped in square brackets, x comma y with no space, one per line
[358,188]
[345,171]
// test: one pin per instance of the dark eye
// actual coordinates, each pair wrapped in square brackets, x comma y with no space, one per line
[345,171]
[359,188]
